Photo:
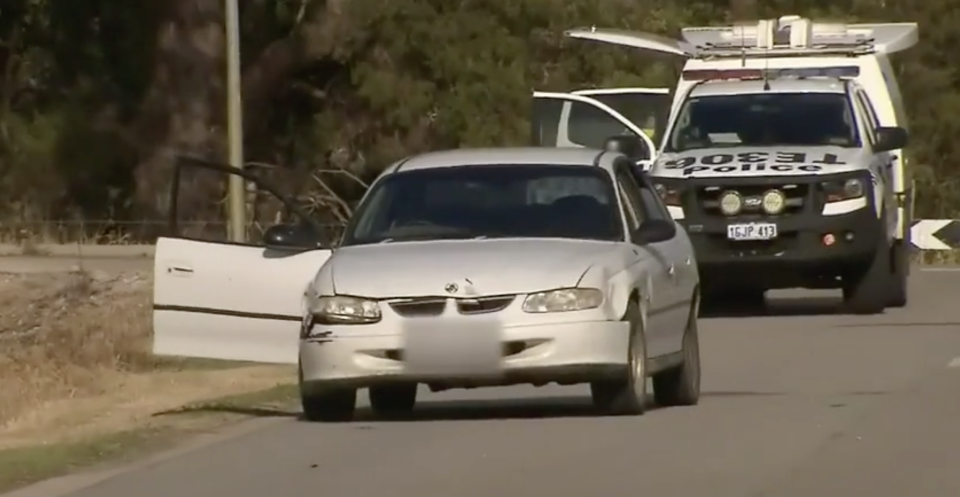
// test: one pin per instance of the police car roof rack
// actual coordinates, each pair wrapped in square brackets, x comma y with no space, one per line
[795,36]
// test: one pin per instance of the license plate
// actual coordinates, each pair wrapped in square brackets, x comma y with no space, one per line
[448,346]
[752,231]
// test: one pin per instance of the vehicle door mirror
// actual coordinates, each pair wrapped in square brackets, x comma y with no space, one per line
[654,231]
[291,237]
[629,145]
[890,138]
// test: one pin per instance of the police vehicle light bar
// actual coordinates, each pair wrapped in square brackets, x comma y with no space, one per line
[797,36]
[780,73]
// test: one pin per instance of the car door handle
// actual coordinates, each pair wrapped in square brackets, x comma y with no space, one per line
[179,268]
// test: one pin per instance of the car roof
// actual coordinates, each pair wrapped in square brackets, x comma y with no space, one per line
[734,87]
[532,156]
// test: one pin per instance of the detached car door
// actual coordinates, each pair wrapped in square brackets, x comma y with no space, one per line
[570,120]
[217,299]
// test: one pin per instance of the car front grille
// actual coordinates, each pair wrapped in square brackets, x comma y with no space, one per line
[434,306]
[797,197]
[418,307]
[484,305]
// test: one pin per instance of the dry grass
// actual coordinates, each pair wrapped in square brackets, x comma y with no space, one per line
[61,334]
[74,361]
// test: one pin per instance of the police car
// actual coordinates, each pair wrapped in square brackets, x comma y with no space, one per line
[783,156]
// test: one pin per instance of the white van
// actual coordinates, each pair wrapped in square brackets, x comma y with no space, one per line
[794,43]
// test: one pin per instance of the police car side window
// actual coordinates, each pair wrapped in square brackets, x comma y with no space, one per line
[871,116]
[590,127]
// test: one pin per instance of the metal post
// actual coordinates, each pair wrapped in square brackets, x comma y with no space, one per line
[236,195]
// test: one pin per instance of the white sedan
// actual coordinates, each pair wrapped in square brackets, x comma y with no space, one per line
[459,269]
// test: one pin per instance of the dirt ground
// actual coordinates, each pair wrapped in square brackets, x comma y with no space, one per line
[74,359]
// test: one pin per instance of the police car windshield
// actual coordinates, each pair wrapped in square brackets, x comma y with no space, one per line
[764,119]
[489,201]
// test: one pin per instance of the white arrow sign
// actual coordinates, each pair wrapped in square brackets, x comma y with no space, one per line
[936,234]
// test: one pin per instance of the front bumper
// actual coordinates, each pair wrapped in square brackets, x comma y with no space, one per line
[566,353]
[798,256]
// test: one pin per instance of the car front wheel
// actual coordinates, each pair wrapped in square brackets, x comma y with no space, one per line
[626,395]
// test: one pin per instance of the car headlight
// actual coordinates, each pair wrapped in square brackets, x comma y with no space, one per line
[341,309]
[838,191]
[670,196]
[563,300]
[730,203]
[773,202]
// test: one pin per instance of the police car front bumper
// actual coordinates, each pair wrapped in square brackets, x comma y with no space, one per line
[814,244]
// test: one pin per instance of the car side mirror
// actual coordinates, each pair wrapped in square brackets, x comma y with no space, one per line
[890,138]
[654,231]
[291,237]
[629,145]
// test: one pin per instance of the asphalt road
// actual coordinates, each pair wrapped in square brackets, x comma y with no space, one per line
[799,402]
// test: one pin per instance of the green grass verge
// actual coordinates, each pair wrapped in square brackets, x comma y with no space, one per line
[25,465]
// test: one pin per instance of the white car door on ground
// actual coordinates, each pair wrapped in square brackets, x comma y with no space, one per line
[570,120]
[221,300]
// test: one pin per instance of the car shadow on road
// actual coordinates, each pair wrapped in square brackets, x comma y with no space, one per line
[517,409]
[460,410]
[777,307]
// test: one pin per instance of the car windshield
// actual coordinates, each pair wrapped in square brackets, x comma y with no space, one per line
[764,119]
[489,201]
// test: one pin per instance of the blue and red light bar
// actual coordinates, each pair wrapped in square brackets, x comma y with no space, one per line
[790,72]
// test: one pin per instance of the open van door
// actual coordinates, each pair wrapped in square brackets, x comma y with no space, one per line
[571,120]
[647,108]
[217,299]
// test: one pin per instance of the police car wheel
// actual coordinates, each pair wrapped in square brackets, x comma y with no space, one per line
[867,292]
[900,268]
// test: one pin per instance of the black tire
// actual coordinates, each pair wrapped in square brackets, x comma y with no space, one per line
[680,385]
[392,401]
[332,405]
[626,395]
[867,292]
[900,269]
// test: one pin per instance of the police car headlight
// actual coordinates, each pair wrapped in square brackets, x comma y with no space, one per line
[731,203]
[774,202]
[341,309]
[838,191]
